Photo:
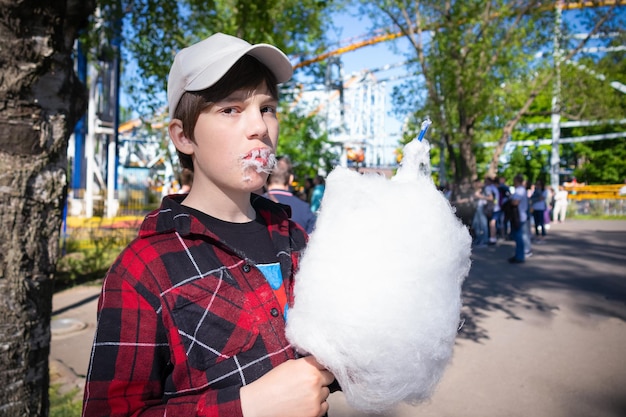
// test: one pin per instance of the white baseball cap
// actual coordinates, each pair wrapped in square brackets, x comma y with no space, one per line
[202,64]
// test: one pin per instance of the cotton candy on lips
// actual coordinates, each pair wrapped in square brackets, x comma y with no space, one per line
[259,160]
[378,292]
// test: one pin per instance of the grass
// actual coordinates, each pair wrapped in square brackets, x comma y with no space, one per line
[64,404]
[597,217]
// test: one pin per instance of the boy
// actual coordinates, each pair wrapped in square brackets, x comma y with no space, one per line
[191,318]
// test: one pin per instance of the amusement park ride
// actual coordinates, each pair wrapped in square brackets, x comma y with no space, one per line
[105,153]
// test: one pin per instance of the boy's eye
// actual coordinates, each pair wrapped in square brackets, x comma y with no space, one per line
[229,110]
[268,109]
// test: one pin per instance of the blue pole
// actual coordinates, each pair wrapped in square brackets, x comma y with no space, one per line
[117,43]
[78,177]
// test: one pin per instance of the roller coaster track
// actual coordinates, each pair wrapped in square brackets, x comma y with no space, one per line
[391,36]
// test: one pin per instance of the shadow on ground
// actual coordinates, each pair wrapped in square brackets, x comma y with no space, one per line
[587,266]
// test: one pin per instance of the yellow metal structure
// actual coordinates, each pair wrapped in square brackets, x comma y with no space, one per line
[594,192]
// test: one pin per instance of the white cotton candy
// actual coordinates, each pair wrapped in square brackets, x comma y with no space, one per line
[378,292]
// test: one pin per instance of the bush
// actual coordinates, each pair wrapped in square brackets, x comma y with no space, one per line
[88,259]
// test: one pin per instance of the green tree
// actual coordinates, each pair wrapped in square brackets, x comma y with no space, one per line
[464,52]
[531,161]
[301,140]
[152,31]
[478,66]
[603,161]
[588,94]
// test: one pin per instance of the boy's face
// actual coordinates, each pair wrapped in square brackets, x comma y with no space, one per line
[236,140]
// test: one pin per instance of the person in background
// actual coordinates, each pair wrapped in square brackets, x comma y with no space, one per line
[519,200]
[538,201]
[318,193]
[622,190]
[186,179]
[504,193]
[547,215]
[560,205]
[527,232]
[530,190]
[307,190]
[192,314]
[278,191]
[480,227]
[492,209]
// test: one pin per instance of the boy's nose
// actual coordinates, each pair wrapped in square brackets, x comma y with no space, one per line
[257,127]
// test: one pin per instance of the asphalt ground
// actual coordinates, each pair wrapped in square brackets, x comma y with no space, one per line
[546,338]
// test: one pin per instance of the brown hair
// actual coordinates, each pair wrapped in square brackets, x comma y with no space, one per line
[247,73]
[281,174]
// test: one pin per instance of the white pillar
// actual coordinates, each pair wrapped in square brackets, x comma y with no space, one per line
[555,159]
[90,142]
[111,210]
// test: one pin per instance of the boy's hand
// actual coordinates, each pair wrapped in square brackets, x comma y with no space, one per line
[296,388]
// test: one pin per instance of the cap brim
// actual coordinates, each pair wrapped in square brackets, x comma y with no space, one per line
[273,58]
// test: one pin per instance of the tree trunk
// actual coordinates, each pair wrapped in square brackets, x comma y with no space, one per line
[467,168]
[40,101]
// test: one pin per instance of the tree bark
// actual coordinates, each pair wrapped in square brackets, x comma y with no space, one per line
[40,101]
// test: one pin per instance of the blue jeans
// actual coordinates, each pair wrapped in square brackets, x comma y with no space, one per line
[526,234]
[518,237]
[481,228]
[540,223]
[501,227]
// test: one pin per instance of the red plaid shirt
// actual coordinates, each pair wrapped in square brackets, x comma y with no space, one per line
[184,321]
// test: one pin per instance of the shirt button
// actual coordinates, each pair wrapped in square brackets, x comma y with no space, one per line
[274,312]
[246,268]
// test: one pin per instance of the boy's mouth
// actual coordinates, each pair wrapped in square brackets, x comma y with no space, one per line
[259,159]
[260,155]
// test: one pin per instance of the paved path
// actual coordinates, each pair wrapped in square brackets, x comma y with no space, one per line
[542,339]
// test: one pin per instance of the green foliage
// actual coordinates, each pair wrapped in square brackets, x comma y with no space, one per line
[531,161]
[479,63]
[302,140]
[476,63]
[604,162]
[468,53]
[152,31]
[87,258]
[64,404]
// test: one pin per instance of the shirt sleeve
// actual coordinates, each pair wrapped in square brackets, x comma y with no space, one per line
[131,361]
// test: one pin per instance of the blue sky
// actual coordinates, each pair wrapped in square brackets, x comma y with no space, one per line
[372,56]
